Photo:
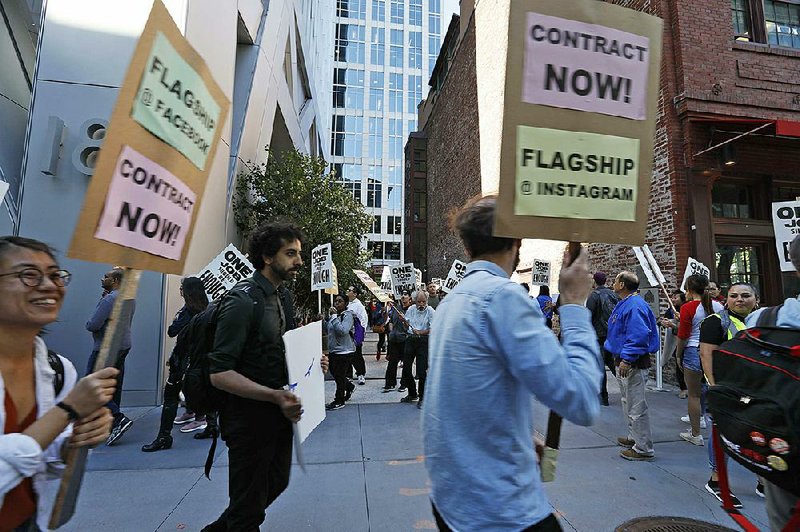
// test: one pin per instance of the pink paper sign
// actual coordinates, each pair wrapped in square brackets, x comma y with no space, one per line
[147,208]
[586,67]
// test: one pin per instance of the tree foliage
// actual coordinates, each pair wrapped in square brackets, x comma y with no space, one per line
[300,188]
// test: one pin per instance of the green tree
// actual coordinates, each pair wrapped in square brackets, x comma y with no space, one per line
[300,188]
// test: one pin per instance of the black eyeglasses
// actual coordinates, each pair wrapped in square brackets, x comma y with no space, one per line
[33,277]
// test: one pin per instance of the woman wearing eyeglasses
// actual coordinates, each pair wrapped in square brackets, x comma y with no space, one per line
[44,410]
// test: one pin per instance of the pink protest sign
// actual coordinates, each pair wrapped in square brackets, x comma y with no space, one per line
[147,207]
[587,67]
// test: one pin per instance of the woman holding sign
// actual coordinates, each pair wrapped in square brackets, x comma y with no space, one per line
[341,348]
[44,409]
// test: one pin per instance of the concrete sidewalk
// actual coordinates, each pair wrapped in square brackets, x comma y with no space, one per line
[365,471]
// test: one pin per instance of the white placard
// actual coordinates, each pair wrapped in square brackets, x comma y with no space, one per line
[654,265]
[645,264]
[524,271]
[694,267]
[418,274]
[540,273]
[222,273]
[3,189]
[403,279]
[334,290]
[457,271]
[321,267]
[306,381]
[386,280]
[786,222]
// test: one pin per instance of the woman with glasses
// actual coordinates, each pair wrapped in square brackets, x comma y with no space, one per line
[44,409]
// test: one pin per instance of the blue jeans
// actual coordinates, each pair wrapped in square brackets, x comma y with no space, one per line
[691,359]
[115,401]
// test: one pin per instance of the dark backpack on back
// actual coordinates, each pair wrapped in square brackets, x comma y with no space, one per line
[755,402]
[358,331]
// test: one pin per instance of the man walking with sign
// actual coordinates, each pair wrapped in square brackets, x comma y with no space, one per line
[480,452]
[360,312]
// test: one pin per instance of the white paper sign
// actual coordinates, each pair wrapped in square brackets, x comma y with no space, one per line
[222,273]
[540,273]
[457,271]
[403,279]
[786,222]
[386,280]
[654,265]
[645,264]
[524,271]
[418,274]
[306,381]
[694,267]
[334,290]
[3,189]
[321,267]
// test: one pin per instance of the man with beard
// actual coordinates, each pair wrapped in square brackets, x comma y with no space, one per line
[248,362]
[479,453]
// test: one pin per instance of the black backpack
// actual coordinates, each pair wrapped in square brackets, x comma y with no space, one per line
[755,402]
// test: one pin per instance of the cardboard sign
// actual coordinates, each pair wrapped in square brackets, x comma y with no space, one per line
[651,297]
[579,82]
[454,276]
[694,267]
[321,267]
[540,273]
[334,289]
[158,236]
[306,380]
[404,279]
[372,286]
[386,280]
[222,273]
[786,222]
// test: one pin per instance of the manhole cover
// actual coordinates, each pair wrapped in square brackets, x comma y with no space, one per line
[669,524]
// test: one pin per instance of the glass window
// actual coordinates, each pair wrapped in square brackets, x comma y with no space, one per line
[348,88]
[351,8]
[376,225]
[741,20]
[739,264]
[374,193]
[412,126]
[395,93]
[420,207]
[782,21]
[420,245]
[379,11]
[347,133]
[731,201]
[350,176]
[349,43]
[394,197]
[394,224]
[434,24]
[377,250]
[395,178]
[396,48]
[414,93]
[377,51]
[415,49]
[435,6]
[396,139]
[376,91]
[415,13]
[375,137]
[392,251]
[397,11]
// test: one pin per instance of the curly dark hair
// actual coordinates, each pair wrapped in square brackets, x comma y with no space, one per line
[268,238]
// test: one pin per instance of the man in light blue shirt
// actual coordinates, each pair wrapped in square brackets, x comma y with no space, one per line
[490,351]
[418,320]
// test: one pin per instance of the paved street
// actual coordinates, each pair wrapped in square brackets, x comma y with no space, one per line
[365,471]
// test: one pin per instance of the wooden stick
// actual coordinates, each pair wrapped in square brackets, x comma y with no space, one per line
[76,458]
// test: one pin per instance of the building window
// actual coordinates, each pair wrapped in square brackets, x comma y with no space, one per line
[374,188]
[415,13]
[394,225]
[377,47]
[392,251]
[412,126]
[739,264]
[348,88]
[350,176]
[349,43]
[435,6]
[376,91]
[782,20]
[376,225]
[347,135]
[730,200]
[414,93]
[741,20]
[420,206]
[394,199]
[414,49]
[434,43]
[397,11]
[351,8]
[379,11]
[376,138]
[421,246]
[395,139]
[420,160]
[396,48]
[377,250]
[395,93]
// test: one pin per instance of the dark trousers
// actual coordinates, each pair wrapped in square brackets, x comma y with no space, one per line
[169,410]
[679,372]
[394,354]
[260,459]
[116,400]
[381,342]
[608,360]
[358,362]
[339,366]
[416,349]
[548,524]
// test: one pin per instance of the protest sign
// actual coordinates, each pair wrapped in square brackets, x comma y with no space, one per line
[694,267]
[579,82]
[525,271]
[403,279]
[371,285]
[222,273]
[645,264]
[454,276]
[418,277]
[306,380]
[540,273]
[786,222]
[386,280]
[334,289]
[3,190]
[142,201]
[321,267]
[654,265]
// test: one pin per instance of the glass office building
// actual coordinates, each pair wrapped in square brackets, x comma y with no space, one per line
[384,53]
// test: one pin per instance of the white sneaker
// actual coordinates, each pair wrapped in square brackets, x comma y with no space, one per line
[685,419]
[695,440]
[361,379]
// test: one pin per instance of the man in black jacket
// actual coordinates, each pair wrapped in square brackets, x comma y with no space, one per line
[601,303]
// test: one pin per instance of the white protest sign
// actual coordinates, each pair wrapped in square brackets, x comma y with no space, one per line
[418,274]
[321,267]
[386,280]
[372,286]
[334,290]
[403,279]
[540,273]
[147,207]
[645,264]
[694,267]
[786,222]
[3,189]
[654,265]
[306,381]
[222,273]
[457,271]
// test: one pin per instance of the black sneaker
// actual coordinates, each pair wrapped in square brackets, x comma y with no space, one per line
[349,393]
[387,389]
[118,429]
[713,488]
[408,399]
[760,490]
[333,405]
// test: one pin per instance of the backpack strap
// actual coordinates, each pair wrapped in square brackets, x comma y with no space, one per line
[769,317]
[58,366]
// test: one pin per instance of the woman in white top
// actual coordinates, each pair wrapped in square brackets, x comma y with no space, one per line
[37,424]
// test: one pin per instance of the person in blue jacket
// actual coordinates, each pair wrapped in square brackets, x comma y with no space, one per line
[632,336]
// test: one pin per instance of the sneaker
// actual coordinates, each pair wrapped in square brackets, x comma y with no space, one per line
[387,389]
[760,490]
[635,456]
[349,392]
[194,425]
[184,418]
[625,442]
[695,440]
[204,435]
[361,379]
[408,399]
[401,389]
[685,419]
[333,405]
[713,488]
[683,394]
[119,428]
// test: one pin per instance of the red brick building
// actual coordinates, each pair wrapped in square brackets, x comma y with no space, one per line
[727,139]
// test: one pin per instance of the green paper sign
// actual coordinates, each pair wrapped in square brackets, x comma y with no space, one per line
[573,174]
[175,105]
